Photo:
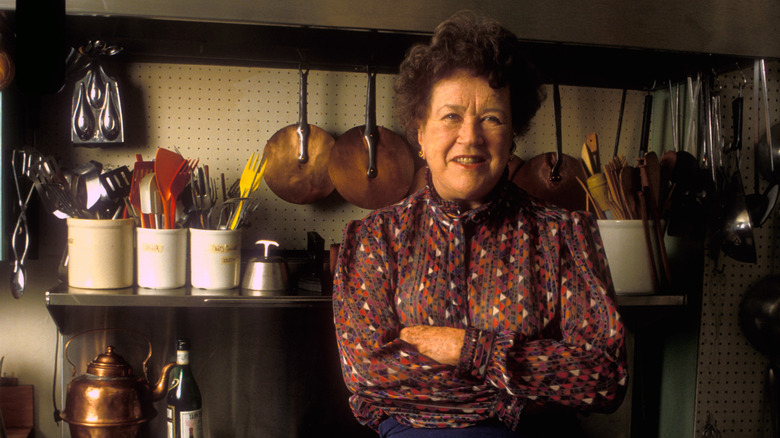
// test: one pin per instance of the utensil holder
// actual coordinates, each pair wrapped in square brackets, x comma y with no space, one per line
[161,258]
[100,253]
[628,256]
[215,258]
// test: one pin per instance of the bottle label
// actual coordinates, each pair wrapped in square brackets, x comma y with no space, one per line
[182,357]
[169,416]
[190,423]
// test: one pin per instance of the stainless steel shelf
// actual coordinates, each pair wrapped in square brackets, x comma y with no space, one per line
[188,297]
[651,300]
[184,297]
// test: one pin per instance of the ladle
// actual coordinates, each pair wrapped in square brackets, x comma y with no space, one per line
[736,230]
[760,204]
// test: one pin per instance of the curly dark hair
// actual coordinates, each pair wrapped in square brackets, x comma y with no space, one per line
[476,44]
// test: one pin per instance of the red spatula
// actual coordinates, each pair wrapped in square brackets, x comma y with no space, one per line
[166,166]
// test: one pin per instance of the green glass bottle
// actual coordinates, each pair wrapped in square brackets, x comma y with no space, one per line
[185,416]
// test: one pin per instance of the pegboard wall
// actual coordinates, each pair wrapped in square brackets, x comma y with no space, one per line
[222,114]
[731,383]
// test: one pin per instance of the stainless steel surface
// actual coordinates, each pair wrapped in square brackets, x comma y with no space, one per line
[269,371]
[266,275]
[96,112]
[65,296]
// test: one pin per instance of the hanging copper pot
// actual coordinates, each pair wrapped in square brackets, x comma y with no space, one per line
[298,158]
[371,166]
[553,176]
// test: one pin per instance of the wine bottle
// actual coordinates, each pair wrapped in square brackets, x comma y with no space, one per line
[185,417]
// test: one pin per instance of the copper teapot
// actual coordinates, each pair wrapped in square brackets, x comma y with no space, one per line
[109,401]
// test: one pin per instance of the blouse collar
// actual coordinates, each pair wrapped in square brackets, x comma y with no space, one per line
[450,210]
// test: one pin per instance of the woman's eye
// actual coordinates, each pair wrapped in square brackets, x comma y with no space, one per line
[494,120]
[451,116]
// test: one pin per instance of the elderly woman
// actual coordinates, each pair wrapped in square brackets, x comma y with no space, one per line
[470,308]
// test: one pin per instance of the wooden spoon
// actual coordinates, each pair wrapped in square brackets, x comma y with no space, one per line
[628,189]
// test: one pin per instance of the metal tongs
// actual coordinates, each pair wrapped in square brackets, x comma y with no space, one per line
[20,164]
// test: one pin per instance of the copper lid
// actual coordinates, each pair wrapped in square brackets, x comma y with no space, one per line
[109,364]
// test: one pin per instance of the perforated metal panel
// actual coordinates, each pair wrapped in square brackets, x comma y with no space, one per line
[223,114]
[731,384]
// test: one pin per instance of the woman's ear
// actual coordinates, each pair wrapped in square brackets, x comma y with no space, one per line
[420,137]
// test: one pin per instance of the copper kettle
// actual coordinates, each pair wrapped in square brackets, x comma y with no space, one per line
[109,401]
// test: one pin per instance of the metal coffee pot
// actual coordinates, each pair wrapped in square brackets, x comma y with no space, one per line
[265,275]
[109,401]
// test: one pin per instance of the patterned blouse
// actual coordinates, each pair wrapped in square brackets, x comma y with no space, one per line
[528,282]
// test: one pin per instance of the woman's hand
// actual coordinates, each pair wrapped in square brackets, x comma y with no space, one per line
[442,344]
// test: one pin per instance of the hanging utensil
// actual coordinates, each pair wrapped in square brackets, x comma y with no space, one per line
[371,166]
[21,230]
[298,157]
[96,108]
[760,204]
[620,122]
[647,116]
[688,202]
[553,176]
[736,231]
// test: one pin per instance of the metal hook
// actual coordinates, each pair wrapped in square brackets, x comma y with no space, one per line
[741,85]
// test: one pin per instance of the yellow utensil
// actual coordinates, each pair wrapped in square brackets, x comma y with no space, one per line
[249,182]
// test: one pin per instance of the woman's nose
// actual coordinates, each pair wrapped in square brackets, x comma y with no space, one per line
[470,133]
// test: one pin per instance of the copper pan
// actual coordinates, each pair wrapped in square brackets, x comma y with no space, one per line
[298,158]
[553,176]
[371,166]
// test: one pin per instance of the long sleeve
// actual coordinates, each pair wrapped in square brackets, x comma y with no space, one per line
[582,366]
[529,285]
[378,367]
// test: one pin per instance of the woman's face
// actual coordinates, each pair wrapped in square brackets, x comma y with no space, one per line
[466,137]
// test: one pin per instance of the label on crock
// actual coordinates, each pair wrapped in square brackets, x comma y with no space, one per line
[229,260]
[223,248]
[152,247]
